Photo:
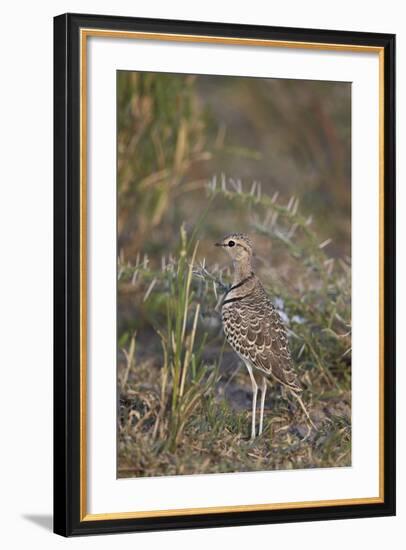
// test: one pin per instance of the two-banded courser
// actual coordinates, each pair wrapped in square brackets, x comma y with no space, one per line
[254,328]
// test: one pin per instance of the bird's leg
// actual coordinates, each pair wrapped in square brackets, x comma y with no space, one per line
[254,399]
[263,393]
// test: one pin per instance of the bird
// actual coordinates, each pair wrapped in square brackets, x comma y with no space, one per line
[255,330]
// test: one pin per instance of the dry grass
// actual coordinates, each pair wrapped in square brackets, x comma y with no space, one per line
[216,435]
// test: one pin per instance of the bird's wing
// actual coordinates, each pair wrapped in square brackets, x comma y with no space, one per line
[261,336]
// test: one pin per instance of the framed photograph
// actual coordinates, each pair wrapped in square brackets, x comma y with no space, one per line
[224,274]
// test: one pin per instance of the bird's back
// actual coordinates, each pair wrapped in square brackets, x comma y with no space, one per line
[254,329]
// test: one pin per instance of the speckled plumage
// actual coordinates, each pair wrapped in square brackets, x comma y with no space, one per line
[254,329]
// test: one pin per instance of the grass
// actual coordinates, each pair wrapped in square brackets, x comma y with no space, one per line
[215,437]
[184,398]
[162,142]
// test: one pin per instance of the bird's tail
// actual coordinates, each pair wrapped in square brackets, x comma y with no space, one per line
[300,401]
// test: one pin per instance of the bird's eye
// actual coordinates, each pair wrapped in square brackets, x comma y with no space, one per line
[231,243]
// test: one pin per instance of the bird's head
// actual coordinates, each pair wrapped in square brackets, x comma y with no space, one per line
[239,246]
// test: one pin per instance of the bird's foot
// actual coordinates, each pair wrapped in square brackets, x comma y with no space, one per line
[309,431]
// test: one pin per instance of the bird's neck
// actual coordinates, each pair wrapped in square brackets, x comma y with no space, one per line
[242,270]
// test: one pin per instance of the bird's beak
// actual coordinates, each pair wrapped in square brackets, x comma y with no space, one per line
[218,244]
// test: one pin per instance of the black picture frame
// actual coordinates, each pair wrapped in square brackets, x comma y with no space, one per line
[67,352]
